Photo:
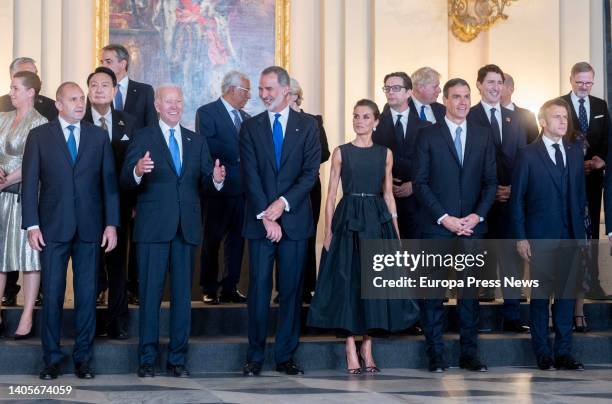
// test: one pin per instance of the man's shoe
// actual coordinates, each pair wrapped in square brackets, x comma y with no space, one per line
[437,365]
[50,372]
[211,299]
[566,362]
[415,330]
[545,363]
[101,299]
[9,300]
[251,369]
[117,331]
[83,371]
[232,297]
[516,326]
[290,367]
[177,371]
[146,370]
[473,364]
[133,298]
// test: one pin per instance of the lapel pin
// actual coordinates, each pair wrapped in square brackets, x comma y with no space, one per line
[189,139]
[121,123]
[508,119]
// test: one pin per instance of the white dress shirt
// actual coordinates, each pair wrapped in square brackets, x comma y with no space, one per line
[230,110]
[428,111]
[551,150]
[404,119]
[576,103]
[498,116]
[109,120]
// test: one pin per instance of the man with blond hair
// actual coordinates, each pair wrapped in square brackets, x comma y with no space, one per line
[425,92]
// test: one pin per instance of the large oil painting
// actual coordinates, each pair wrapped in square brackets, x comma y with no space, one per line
[195,42]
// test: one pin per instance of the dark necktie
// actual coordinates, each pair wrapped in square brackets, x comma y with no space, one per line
[399,130]
[582,117]
[237,120]
[119,99]
[558,157]
[72,146]
[103,124]
[495,128]
[277,136]
[422,115]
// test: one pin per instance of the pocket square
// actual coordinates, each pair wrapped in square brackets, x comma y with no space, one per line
[598,116]
[125,138]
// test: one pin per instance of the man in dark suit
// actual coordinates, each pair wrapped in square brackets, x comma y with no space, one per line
[166,164]
[425,91]
[46,107]
[280,155]
[526,117]
[397,130]
[591,119]
[119,126]
[136,99]
[508,137]
[76,209]
[219,122]
[455,182]
[547,204]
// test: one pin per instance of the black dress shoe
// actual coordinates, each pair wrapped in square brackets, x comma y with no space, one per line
[209,298]
[83,371]
[437,365]
[50,372]
[117,330]
[146,370]
[177,371]
[566,362]
[473,364]
[545,363]
[232,297]
[290,367]
[415,330]
[515,326]
[18,337]
[9,300]
[101,299]
[251,369]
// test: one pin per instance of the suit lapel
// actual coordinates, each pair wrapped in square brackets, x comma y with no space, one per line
[131,94]
[117,127]
[84,142]
[550,166]
[266,135]
[469,141]
[292,133]
[61,140]
[449,141]
[163,147]
[226,118]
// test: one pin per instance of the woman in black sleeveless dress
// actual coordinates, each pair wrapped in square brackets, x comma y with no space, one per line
[366,211]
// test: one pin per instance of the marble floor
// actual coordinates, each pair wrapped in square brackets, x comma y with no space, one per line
[499,385]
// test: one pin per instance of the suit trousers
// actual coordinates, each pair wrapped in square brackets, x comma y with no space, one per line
[154,261]
[224,217]
[112,274]
[408,217]
[54,263]
[290,255]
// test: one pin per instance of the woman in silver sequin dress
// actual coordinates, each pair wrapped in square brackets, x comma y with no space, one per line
[15,252]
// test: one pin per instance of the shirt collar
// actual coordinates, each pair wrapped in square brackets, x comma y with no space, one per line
[549,143]
[95,115]
[65,124]
[395,113]
[229,107]
[452,126]
[165,128]
[123,82]
[284,114]
[488,107]
[575,98]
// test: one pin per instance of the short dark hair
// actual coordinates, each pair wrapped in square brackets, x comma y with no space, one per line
[559,102]
[105,70]
[281,75]
[582,67]
[364,102]
[29,80]
[454,83]
[484,70]
[121,51]
[405,78]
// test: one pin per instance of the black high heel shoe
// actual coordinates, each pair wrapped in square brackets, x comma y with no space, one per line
[355,371]
[580,324]
[367,369]
[2,327]
[19,337]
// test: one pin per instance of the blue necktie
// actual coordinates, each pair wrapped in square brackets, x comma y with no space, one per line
[495,128]
[277,136]
[72,146]
[174,151]
[582,117]
[422,113]
[237,120]
[458,146]
[118,99]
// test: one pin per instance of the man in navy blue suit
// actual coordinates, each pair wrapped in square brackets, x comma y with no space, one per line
[219,122]
[425,91]
[547,204]
[455,182]
[166,164]
[280,154]
[508,137]
[75,211]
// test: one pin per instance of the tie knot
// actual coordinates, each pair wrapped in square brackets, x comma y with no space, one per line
[493,110]
[235,112]
[581,100]
[423,108]
[71,128]
[171,132]
[556,146]
[458,131]
[399,118]
[276,116]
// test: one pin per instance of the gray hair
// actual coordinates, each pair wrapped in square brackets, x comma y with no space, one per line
[121,51]
[232,79]
[20,61]
[296,89]
[281,74]
[508,80]
[425,75]
[166,86]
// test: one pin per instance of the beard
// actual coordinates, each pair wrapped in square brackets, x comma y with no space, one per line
[276,103]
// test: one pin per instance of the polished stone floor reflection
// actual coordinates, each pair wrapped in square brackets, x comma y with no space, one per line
[499,385]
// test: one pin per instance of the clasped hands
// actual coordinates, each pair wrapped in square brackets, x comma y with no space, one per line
[461,226]
[596,163]
[274,232]
[145,165]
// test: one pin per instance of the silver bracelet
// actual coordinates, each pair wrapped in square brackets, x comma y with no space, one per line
[394,215]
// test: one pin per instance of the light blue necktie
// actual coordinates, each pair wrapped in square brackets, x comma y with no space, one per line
[174,151]
[72,146]
[118,99]
[277,136]
[422,113]
[458,146]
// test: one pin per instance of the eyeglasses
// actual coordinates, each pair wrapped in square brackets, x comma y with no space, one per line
[247,90]
[584,83]
[392,89]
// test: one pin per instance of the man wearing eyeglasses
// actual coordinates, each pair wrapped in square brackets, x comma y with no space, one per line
[219,122]
[591,122]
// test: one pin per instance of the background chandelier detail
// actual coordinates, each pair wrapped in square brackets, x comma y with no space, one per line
[469,17]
